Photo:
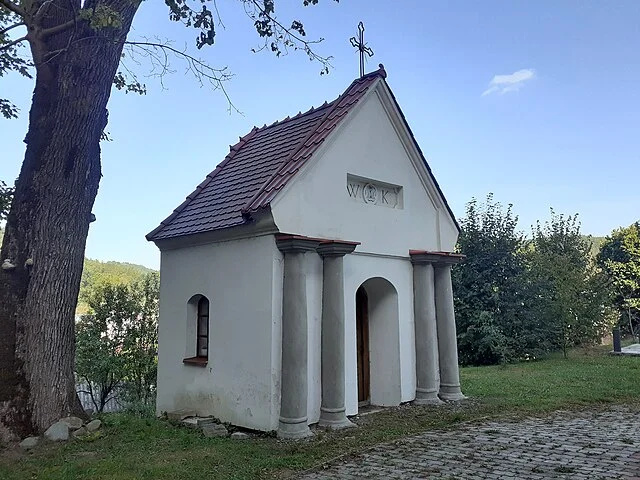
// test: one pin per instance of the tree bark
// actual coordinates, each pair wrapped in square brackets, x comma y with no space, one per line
[49,219]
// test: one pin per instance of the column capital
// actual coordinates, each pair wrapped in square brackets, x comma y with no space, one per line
[296,243]
[439,259]
[336,248]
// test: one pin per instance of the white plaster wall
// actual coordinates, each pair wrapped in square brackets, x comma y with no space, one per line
[316,202]
[399,272]
[242,280]
[276,336]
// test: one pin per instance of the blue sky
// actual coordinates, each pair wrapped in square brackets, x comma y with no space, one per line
[537,102]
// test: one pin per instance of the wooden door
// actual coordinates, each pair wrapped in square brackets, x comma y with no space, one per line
[362,335]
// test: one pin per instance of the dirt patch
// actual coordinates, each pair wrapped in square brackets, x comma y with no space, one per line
[11,454]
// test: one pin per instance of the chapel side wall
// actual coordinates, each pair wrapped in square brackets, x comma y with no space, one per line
[317,202]
[238,384]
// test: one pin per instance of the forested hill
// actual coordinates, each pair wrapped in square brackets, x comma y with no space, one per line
[596,242]
[96,272]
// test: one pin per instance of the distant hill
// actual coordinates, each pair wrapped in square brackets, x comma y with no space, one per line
[596,242]
[96,272]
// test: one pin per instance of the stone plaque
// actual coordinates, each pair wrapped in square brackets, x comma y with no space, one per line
[374,192]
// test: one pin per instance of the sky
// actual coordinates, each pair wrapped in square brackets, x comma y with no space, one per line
[537,102]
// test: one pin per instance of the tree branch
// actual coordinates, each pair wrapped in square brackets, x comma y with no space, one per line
[47,32]
[42,9]
[276,22]
[15,42]
[286,36]
[12,7]
[200,70]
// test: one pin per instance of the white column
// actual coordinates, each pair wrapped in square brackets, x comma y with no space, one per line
[294,382]
[426,332]
[332,409]
[447,341]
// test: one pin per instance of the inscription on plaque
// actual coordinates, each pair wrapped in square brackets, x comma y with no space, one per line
[374,192]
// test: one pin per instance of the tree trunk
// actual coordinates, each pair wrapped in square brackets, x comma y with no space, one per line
[48,222]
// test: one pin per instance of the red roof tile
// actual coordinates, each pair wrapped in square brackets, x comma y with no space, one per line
[261,164]
[258,166]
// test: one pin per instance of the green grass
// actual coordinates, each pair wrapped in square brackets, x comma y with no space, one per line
[135,448]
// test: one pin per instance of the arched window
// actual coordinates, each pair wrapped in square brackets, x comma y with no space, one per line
[202,345]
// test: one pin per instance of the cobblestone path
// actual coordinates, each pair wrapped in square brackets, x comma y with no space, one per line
[580,446]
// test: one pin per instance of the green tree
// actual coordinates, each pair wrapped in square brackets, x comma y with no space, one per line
[117,342]
[574,298]
[141,342]
[6,195]
[100,336]
[619,258]
[95,273]
[495,306]
[75,49]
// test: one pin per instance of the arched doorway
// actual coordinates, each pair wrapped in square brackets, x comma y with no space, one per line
[362,346]
[378,343]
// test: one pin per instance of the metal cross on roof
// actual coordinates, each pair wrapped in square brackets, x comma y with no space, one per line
[361,46]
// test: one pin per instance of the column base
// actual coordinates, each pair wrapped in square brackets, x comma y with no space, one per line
[451,393]
[334,418]
[293,428]
[426,397]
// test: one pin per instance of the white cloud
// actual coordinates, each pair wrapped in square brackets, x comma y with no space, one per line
[502,84]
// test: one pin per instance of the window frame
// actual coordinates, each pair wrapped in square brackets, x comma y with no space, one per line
[202,312]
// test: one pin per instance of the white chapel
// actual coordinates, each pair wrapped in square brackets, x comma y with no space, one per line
[310,274]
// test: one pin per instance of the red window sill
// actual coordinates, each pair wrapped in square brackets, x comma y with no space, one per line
[197,361]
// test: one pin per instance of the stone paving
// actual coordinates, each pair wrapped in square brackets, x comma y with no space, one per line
[580,446]
[631,350]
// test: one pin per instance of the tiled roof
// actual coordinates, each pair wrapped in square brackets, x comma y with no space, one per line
[259,166]
[262,163]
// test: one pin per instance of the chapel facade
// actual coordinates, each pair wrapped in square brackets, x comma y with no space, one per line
[310,274]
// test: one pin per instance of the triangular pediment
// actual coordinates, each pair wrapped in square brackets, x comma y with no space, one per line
[369,166]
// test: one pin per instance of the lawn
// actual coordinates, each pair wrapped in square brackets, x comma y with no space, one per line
[139,448]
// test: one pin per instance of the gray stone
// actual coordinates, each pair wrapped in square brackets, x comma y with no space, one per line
[93,425]
[190,422]
[214,430]
[196,422]
[180,415]
[81,432]
[58,432]
[29,442]
[74,423]
[240,436]
[202,421]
